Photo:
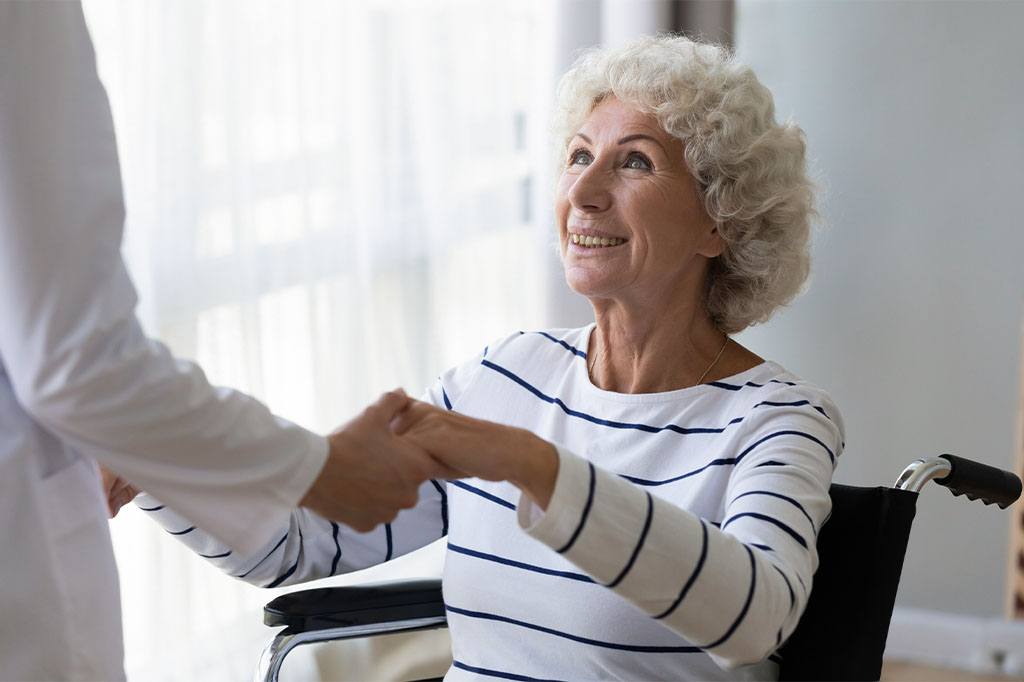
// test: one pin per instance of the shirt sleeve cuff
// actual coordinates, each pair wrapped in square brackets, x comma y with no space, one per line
[306,470]
[556,525]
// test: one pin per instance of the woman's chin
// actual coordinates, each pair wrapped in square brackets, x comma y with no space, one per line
[586,284]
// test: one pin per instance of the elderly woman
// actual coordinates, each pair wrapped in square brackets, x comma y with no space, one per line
[647,492]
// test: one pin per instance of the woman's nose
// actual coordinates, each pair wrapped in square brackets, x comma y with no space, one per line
[590,193]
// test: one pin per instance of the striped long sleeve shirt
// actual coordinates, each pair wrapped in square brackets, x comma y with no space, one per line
[679,542]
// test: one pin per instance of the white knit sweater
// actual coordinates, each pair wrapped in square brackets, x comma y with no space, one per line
[679,542]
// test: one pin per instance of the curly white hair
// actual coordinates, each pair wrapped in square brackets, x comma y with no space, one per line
[750,169]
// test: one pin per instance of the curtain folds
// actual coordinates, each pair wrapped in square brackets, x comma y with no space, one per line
[325,200]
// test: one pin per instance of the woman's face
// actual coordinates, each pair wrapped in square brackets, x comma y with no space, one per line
[625,188]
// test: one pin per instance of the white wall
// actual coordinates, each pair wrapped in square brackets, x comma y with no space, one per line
[914,115]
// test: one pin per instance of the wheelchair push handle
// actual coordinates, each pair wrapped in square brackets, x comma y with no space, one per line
[980,481]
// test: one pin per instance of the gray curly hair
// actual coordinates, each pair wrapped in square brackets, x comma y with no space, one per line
[750,170]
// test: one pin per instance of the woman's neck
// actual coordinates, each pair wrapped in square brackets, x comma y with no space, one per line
[640,347]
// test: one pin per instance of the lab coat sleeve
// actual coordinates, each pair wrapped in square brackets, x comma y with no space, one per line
[69,339]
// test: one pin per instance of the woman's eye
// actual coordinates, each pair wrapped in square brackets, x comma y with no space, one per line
[580,157]
[637,161]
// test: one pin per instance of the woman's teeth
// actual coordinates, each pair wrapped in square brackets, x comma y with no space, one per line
[594,242]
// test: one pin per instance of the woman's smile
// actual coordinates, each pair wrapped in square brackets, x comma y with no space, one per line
[587,241]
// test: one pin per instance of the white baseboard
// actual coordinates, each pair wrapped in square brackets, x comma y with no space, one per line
[947,640]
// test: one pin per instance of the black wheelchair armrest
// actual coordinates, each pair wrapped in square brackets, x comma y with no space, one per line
[334,607]
[332,613]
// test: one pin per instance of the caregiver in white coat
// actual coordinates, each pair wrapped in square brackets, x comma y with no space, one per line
[80,383]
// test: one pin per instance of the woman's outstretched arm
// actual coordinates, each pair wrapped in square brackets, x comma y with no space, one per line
[736,591]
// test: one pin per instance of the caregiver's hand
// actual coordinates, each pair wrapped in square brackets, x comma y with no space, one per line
[493,452]
[118,491]
[371,473]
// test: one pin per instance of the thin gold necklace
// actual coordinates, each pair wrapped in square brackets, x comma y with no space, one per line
[592,364]
[713,362]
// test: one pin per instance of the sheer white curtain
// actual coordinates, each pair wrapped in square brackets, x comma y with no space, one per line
[325,200]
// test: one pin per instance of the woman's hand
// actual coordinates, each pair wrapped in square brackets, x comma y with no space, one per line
[371,474]
[118,491]
[493,452]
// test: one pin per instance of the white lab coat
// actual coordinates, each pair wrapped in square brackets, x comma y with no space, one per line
[80,382]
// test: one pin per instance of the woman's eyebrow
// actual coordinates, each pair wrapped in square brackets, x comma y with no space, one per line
[627,139]
[641,136]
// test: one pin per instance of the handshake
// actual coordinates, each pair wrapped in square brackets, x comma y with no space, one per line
[378,461]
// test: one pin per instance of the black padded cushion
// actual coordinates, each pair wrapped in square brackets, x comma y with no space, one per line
[332,607]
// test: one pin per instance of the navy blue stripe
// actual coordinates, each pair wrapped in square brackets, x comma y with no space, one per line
[182,532]
[795,403]
[284,576]
[831,457]
[576,638]
[485,350]
[287,574]
[727,461]
[803,585]
[518,564]
[152,509]
[586,510]
[764,517]
[789,586]
[279,543]
[746,606]
[391,548]
[693,576]
[215,556]
[751,384]
[781,497]
[481,493]
[444,396]
[771,463]
[639,544]
[572,349]
[766,548]
[486,672]
[337,548]
[647,428]
[444,507]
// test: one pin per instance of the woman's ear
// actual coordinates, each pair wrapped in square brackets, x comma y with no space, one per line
[713,244]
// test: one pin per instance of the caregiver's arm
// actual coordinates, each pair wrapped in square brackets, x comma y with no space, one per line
[736,591]
[76,356]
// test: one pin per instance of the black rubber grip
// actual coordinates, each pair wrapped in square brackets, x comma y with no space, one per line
[981,482]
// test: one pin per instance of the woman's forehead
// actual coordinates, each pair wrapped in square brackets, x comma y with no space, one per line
[613,115]
[611,120]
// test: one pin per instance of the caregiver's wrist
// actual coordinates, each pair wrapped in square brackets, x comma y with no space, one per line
[537,469]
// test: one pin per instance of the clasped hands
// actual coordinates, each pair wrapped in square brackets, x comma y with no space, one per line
[378,461]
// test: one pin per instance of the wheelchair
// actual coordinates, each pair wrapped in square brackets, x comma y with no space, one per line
[860,548]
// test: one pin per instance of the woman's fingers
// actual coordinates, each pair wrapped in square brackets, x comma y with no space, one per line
[389,405]
[414,413]
[119,498]
[119,493]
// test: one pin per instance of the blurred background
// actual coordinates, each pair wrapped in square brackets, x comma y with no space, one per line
[330,199]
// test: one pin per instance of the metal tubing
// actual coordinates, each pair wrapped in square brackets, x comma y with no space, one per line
[273,656]
[920,471]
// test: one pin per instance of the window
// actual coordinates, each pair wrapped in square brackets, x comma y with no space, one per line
[325,200]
